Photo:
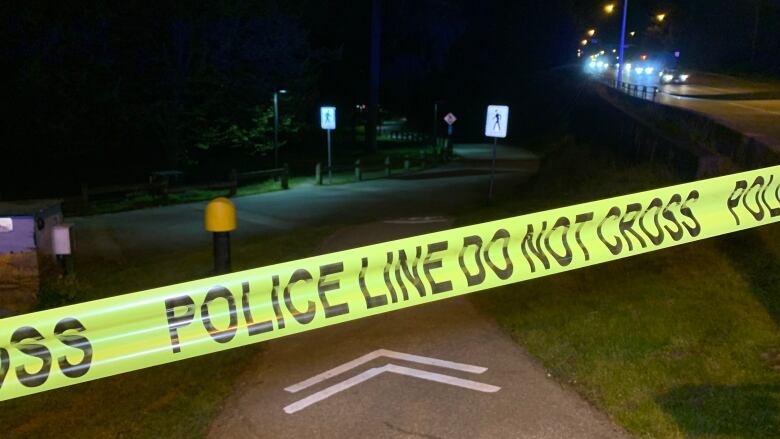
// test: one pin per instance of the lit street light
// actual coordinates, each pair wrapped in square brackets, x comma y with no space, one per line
[660,17]
[584,42]
[610,8]
[276,126]
[622,43]
[591,32]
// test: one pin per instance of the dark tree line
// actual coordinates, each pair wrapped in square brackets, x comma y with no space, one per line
[129,87]
[104,91]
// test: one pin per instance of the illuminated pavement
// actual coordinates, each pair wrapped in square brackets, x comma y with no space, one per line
[750,107]
[527,404]
[440,191]
[756,118]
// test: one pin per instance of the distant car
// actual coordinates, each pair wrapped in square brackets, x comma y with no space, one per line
[671,76]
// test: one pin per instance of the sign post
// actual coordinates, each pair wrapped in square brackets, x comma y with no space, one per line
[328,123]
[450,119]
[495,126]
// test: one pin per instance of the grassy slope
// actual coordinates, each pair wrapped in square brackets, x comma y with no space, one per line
[677,343]
[176,400]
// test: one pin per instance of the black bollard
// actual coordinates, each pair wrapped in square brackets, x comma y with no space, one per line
[221,252]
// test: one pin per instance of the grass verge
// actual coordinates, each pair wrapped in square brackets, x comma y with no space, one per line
[397,151]
[682,342]
[143,200]
[176,400]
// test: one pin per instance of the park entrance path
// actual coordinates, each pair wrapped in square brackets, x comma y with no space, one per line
[134,234]
[495,389]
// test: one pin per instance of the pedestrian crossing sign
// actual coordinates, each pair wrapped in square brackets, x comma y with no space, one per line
[497,121]
[328,118]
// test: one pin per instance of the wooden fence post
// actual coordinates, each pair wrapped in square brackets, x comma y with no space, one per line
[358,174]
[164,188]
[318,174]
[233,177]
[286,177]
[85,193]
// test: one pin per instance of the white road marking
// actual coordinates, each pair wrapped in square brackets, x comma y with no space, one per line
[748,107]
[441,378]
[383,353]
[332,390]
[393,368]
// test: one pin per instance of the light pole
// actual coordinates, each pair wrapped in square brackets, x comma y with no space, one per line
[276,126]
[622,43]
[435,120]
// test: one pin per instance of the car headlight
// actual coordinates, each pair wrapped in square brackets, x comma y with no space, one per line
[639,70]
[668,78]
[683,78]
[649,70]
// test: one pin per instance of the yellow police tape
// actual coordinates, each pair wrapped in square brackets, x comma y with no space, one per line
[73,344]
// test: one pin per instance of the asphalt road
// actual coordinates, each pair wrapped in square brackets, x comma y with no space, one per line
[439,191]
[392,395]
[757,118]
[749,106]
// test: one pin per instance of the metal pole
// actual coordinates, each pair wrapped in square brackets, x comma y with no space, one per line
[622,42]
[221,252]
[493,168]
[435,118]
[374,74]
[330,162]
[276,129]
[755,33]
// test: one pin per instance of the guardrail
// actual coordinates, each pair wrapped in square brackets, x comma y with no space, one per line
[647,92]
[359,168]
[152,188]
[159,186]
[403,136]
[282,173]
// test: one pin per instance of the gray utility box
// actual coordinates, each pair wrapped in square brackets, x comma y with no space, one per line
[26,251]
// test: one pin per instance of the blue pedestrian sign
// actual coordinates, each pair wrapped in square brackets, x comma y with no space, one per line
[328,118]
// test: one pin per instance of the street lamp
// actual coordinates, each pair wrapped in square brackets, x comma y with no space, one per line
[591,32]
[584,42]
[621,62]
[660,17]
[610,8]
[276,126]
[436,119]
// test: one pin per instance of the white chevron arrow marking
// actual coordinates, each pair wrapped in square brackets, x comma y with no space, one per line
[391,368]
[382,353]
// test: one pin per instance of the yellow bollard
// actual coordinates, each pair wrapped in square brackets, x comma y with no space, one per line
[220,220]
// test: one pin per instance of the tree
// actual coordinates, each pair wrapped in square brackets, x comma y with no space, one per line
[253,138]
